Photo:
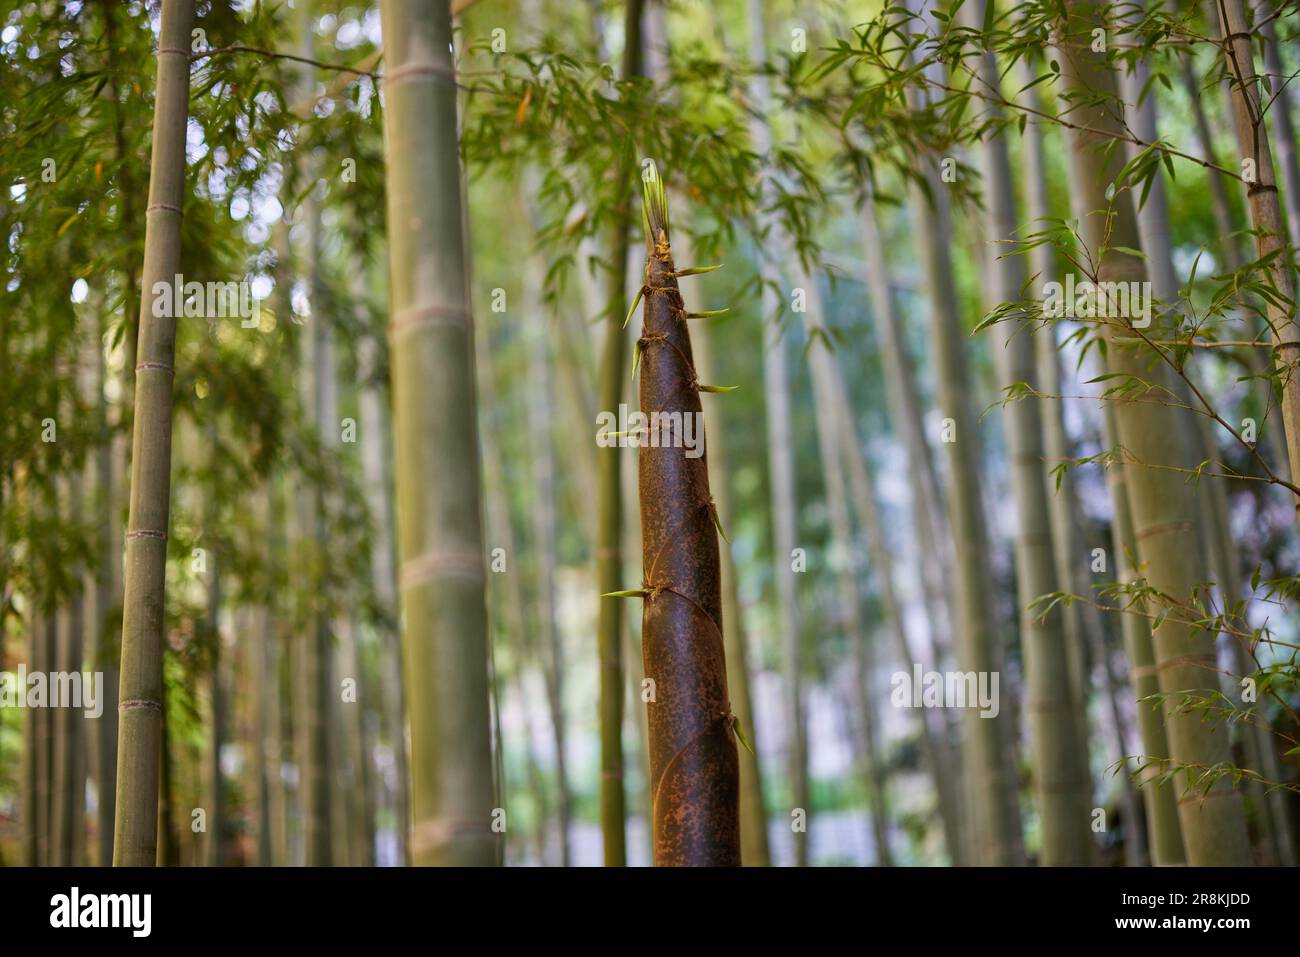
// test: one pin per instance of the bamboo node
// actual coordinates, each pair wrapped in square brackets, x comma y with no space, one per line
[410,71]
[1207,661]
[146,533]
[153,207]
[437,833]
[1200,798]
[1161,528]
[424,568]
[139,704]
[653,591]
[413,317]
[155,365]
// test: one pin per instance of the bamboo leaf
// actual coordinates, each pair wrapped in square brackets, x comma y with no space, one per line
[654,203]
[718,388]
[630,593]
[635,302]
[740,734]
[718,524]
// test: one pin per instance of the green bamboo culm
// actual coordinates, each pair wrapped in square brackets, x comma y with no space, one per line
[609,507]
[1249,108]
[754,847]
[1210,812]
[140,688]
[996,829]
[1061,784]
[694,765]
[441,575]
[1159,798]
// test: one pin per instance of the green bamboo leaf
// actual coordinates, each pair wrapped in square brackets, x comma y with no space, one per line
[740,735]
[718,524]
[718,388]
[1130,251]
[654,203]
[635,302]
[696,270]
[708,314]
[630,593]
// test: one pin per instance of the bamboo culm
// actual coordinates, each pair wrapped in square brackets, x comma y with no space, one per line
[754,848]
[827,399]
[780,441]
[995,825]
[1213,825]
[1266,217]
[441,572]
[140,689]
[1059,749]
[609,532]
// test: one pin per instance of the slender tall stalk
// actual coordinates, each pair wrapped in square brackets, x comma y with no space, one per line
[1265,216]
[1059,749]
[1164,834]
[108,585]
[262,666]
[69,737]
[824,371]
[140,695]
[513,613]
[908,419]
[1156,233]
[995,826]
[216,684]
[1284,134]
[444,634]
[994,813]
[609,505]
[375,432]
[318,388]
[541,423]
[785,510]
[169,844]
[1084,628]
[1213,823]
[1274,818]
[359,798]
[935,751]
[694,767]
[47,643]
[754,849]
[1230,245]
[31,755]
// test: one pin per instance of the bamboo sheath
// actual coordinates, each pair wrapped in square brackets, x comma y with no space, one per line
[694,767]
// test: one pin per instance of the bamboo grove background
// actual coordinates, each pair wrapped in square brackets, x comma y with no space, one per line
[366,589]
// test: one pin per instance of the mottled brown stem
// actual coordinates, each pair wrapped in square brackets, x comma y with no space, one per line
[694,767]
